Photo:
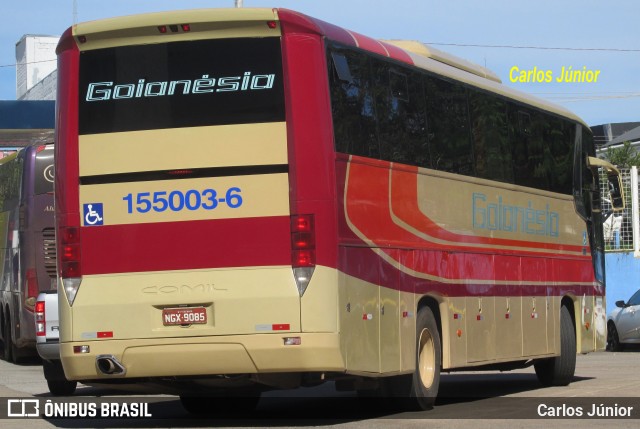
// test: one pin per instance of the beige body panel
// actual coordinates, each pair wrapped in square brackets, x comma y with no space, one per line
[256,202]
[234,354]
[475,330]
[253,144]
[205,24]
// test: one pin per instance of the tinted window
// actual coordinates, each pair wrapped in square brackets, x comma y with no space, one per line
[353,103]
[490,135]
[43,180]
[401,115]
[181,84]
[387,110]
[448,117]
[635,299]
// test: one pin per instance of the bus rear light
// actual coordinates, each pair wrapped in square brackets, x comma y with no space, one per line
[70,252]
[71,286]
[174,28]
[32,288]
[272,24]
[303,250]
[292,341]
[81,349]
[41,324]
[82,39]
[303,241]
[69,261]
[180,172]
[304,258]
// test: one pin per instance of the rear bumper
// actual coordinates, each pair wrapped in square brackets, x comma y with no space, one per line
[49,351]
[195,356]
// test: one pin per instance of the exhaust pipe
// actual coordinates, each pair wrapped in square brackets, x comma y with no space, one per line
[109,365]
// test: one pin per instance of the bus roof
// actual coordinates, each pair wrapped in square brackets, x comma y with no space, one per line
[250,22]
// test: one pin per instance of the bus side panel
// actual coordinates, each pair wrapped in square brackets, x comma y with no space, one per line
[509,309]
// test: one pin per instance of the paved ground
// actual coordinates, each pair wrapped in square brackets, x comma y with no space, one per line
[512,399]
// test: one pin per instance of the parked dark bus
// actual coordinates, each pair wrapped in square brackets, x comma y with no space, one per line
[27,245]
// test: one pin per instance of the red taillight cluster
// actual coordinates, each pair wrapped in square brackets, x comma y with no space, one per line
[41,326]
[70,252]
[303,241]
[32,287]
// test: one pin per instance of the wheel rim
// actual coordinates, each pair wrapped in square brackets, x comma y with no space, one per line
[426,358]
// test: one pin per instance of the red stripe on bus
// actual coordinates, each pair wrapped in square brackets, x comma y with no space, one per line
[368,210]
[397,53]
[369,44]
[357,262]
[186,245]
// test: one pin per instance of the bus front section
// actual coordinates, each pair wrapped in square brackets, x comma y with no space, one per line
[179,252]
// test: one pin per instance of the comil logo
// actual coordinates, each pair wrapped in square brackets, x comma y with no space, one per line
[101,91]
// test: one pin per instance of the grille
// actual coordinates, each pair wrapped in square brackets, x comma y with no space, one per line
[49,244]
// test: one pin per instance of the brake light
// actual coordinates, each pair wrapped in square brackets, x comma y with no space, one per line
[69,261]
[303,241]
[70,252]
[303,250]
[41,324]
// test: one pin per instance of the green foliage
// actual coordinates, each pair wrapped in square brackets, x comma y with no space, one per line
[623,157]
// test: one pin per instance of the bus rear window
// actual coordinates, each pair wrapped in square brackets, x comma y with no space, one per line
[43,180]
[181,84]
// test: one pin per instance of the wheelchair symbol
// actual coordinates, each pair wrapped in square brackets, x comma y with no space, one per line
[93,214]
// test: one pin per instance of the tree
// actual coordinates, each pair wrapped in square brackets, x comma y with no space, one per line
[623,157]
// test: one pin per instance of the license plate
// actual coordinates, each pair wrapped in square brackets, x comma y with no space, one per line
[184,316]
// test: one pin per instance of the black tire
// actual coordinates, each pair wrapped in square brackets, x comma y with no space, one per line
[613,340]
[8,344]
[559,370]
[54,374]
[62,387]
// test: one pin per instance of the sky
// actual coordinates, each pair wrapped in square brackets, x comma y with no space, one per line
[587,35]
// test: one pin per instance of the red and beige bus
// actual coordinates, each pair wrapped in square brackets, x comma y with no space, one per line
[253,198]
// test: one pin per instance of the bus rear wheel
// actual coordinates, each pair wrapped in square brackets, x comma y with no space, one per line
[6,335]
[421,388]
[559,370]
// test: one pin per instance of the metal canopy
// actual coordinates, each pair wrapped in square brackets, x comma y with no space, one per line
[26,122]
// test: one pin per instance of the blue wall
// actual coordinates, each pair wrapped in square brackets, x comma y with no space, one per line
[623,277]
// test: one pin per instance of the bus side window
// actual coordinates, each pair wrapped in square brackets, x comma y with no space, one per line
[449,136]
[400,108]
[490,137]
[353,104]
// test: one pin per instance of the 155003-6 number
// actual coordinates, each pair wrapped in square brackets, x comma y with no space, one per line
[160,201]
